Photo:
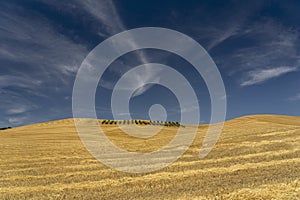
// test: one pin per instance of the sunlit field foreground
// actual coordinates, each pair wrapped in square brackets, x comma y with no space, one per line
[256,157]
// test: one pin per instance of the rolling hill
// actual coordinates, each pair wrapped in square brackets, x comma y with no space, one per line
[256,157]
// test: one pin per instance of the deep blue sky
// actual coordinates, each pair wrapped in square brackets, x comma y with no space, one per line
[255,45]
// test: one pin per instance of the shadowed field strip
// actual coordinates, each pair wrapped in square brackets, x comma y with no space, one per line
[251,158]
[163,175]
[220,170]
[271,191]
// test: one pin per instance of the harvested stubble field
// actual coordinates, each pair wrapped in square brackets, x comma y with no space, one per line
[256,157]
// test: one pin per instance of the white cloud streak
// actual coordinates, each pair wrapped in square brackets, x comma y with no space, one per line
[15,108]
[260,76]
[17,120]
[18,109]
[140,80]
[106,13]
[270,44]
[295,98]
[221,36]
[31,42]
[249,47]
[34,57]
[19,81]
[31,39]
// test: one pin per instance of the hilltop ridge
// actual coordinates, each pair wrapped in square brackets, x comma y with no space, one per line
[284,119]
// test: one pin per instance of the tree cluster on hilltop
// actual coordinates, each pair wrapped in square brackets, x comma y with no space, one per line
[140,122]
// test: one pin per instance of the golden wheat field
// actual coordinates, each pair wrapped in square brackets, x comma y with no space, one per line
[256,157]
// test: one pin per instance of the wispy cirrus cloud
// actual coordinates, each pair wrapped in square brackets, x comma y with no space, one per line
[15,107]
[141,80]
[17,120]
[260,76]
[295,98]
[221,36]
[265,43]
[257,47]
[107,14]
[241,46]
[35,57]
[18,109]
[30,39]
[229,22]
[104,13]
[22,81]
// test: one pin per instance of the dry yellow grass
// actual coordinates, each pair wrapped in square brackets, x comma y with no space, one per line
[257,157]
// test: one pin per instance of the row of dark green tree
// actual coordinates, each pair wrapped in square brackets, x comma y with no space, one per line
[140,122]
